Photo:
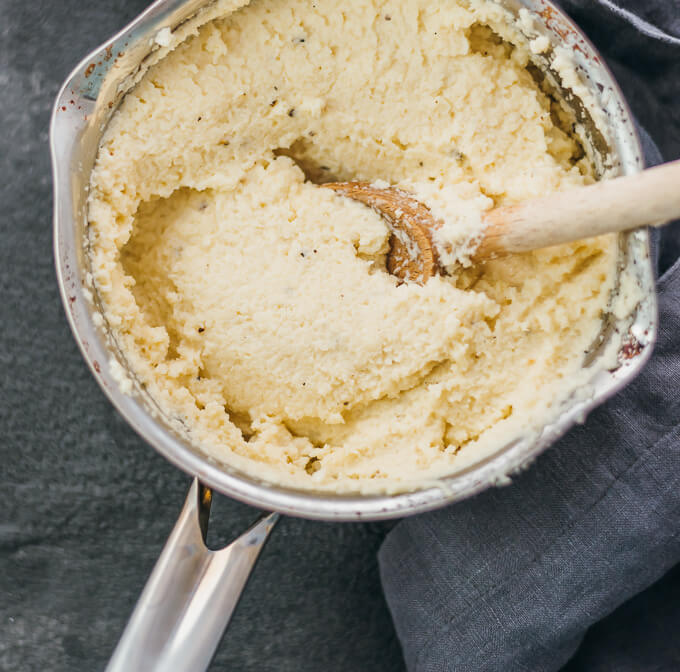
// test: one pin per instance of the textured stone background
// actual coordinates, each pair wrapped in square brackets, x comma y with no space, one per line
[85,505]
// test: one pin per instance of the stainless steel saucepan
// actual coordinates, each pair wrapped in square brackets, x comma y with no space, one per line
[192,591]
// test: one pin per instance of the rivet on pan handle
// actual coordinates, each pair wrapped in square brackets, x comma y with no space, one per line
[190,596]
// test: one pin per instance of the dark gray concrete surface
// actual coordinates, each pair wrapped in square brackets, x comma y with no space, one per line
[85,505]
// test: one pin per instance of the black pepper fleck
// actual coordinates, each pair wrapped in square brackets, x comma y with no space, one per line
[291,112]
[273,103]
[201,330]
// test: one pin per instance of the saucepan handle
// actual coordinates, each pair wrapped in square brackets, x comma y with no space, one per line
[190,596]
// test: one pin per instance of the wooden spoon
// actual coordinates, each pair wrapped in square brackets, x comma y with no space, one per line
[649,198]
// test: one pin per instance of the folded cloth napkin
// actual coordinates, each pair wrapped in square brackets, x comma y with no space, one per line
[513,578]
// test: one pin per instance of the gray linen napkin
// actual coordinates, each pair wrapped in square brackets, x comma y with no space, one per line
[513,578]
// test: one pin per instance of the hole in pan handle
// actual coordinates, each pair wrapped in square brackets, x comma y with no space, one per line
[191,594]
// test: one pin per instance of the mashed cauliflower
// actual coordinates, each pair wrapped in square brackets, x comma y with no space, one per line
[255,306]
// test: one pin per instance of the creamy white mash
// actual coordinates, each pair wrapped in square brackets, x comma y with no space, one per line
[255,306]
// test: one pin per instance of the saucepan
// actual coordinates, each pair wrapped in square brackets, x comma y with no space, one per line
[189,598]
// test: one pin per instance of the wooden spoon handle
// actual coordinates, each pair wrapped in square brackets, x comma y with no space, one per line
[649,198]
